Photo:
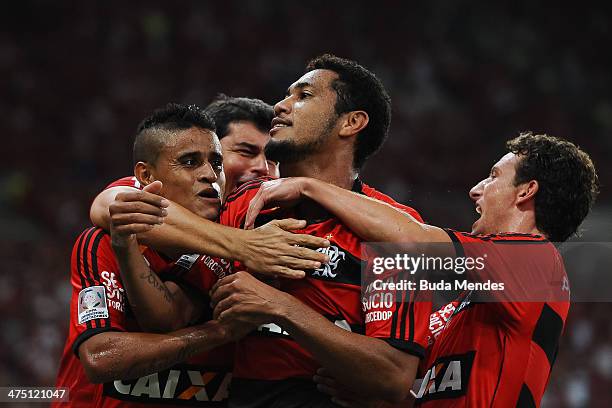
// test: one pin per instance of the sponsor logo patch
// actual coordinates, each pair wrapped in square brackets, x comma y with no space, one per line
[183,384]
[448,378]
[187,261]
[92,304]
[114,292]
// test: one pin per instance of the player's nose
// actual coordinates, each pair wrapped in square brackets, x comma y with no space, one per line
[283,106]
[476,191]
[260,166]
[207,173]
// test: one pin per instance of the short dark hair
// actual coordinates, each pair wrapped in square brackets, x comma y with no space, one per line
[226,109]
[174,116]
[359,89]
[568,182]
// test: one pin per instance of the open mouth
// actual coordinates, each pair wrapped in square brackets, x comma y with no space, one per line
[278,123]
[209,193]
[478,209]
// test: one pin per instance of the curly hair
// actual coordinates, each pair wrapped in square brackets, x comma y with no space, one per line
[174,116]
[359,89]
[225,110]
[567,180]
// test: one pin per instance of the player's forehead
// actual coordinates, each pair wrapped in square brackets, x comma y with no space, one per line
[193,140]
[318,79]
[246,134]
[507,163]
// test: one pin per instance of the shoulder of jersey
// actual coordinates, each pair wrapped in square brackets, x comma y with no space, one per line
[248,186]
[93,238]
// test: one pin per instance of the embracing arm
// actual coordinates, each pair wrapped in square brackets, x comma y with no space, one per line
[181,231]
[270,249]
[372,220]
[114,355]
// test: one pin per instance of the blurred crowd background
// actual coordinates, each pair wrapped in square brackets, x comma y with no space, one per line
[77,77]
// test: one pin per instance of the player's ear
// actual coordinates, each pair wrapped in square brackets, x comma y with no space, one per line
[143,173]
[354,122]
[527,191]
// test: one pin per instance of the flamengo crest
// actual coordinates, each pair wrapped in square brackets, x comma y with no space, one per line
[335,256]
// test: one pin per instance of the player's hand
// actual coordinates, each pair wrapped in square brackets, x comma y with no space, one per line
[243,298]
[340,394]
[271,250]
[135,212]
[283,192]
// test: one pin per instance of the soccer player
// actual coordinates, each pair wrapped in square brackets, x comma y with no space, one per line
[243,126]
[333,118]
[108,360]
[488,353]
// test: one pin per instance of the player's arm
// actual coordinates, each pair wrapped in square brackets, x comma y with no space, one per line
[269,249]
[352,358]
[116,355]
[99,211]
[100,322]
[372,220]
[367,364]
[158,306]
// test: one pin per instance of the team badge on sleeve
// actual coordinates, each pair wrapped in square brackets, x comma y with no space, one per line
[92,304]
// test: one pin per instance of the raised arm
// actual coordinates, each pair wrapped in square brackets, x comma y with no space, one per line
[158,306]
[372,220]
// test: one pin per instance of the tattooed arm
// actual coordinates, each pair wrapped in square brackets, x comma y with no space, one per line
[114,355]
[158,306]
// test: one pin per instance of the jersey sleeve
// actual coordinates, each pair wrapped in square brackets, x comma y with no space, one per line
[199,272]
[98,302]
[528,266]
[209,270]
[399,316]
[129,181]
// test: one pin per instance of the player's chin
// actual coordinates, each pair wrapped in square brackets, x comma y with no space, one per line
[208,208]
[476,227]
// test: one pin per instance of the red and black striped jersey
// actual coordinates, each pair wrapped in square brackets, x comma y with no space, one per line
[499,353]
[99,304]
[334,290]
